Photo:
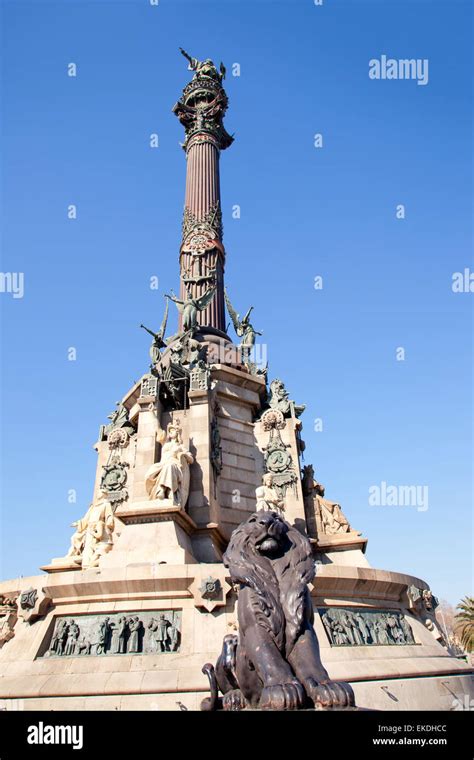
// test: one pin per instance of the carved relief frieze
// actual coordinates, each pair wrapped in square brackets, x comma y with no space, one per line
[150,632]
[362,627]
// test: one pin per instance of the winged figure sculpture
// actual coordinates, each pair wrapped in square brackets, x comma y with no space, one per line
[243,327]
[190,307]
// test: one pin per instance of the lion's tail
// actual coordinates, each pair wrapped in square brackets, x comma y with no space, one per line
[210,703]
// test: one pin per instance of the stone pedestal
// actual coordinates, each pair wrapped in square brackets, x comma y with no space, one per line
[341,549]
[417,676]
[153,531]
[147,446]
[166,561]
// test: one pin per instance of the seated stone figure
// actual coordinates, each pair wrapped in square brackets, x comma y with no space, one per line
[267,496]
[333,519]
[93,535]
[331,515]
[169,478]
[274,663]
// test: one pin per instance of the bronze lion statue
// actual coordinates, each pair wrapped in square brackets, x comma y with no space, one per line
[274,663]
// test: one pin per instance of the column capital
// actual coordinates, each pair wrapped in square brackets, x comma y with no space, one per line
[202,106]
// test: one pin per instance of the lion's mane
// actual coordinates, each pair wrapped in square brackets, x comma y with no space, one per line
[282,599]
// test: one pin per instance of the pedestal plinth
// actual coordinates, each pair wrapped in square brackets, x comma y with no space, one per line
[153,531]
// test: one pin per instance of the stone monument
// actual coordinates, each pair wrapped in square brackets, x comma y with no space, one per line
[146,593]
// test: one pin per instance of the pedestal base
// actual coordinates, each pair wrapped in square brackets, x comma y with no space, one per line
[61,565]
[420,676]
[155,531]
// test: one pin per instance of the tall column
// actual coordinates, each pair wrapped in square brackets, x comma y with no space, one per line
[202,256]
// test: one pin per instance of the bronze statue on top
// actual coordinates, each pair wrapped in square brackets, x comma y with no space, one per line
[274,663]
[204,68]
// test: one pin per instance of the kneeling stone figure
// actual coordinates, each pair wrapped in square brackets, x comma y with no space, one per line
[274,663]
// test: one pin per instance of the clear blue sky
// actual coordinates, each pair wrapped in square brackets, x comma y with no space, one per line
[304,212]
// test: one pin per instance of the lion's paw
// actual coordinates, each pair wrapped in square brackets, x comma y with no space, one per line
[285,696]
[234,700]
[329,694]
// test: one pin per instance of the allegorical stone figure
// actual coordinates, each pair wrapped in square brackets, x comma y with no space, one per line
[169,478]
[78,539]
[267,497]
[93,536]
[332,518]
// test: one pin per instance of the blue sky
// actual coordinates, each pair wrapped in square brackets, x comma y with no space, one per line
[305,212]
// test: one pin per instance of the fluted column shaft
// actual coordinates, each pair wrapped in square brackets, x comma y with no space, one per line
[203,203]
